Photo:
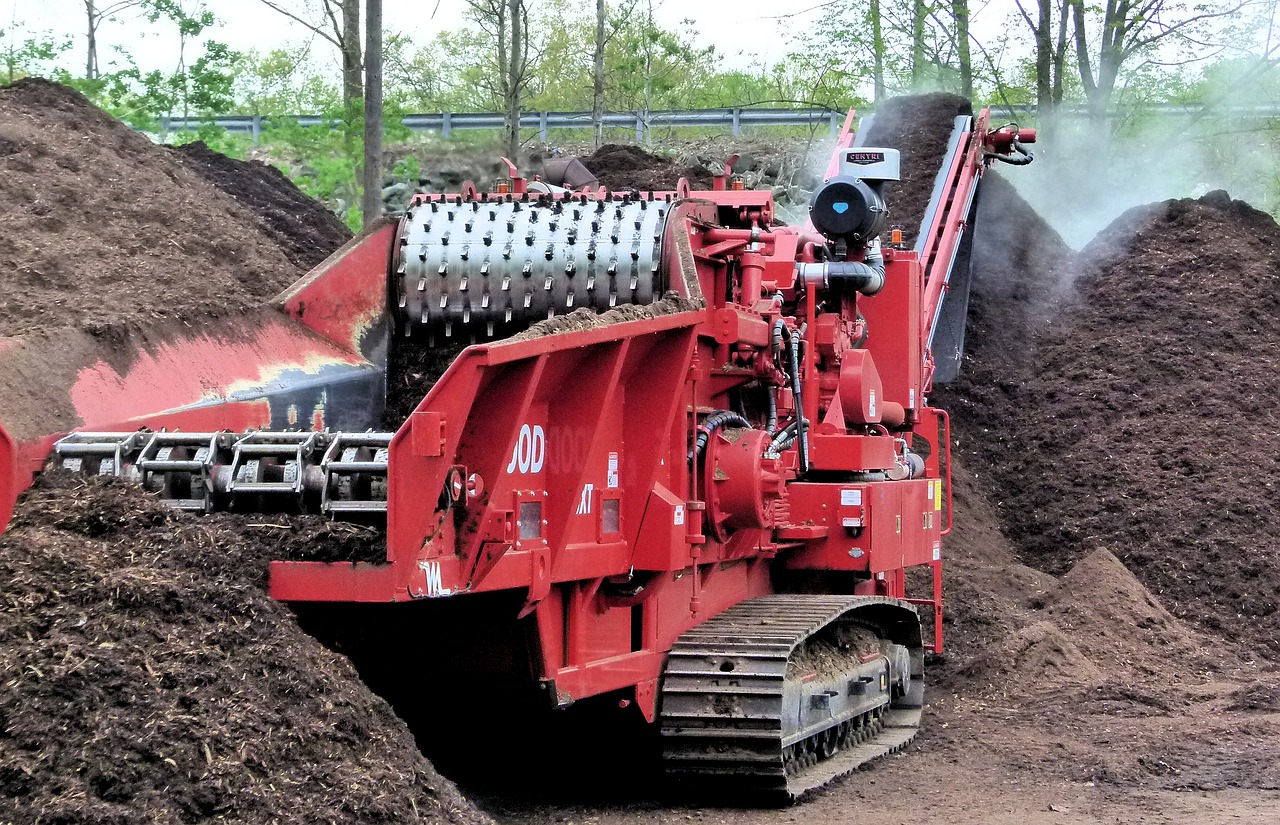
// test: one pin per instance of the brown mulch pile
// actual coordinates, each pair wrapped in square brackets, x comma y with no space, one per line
[622,167]
[1134,409]
[113,245]
[300,225]
[147,677]
[105,229]
[919,127]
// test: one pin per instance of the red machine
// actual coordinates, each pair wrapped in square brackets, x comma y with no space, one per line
[705,504]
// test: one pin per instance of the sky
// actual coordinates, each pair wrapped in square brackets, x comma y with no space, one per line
[746,33]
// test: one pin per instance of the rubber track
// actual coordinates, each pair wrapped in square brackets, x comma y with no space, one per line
[722,729]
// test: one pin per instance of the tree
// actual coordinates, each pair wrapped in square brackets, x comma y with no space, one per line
[372,201]
[604,34]
[95,16]
[1130,29]
[960,15]
[29,55]
[877,50]
[597,76]
[338,24]
[206,84]
[413,78]
[1050,57]
[919,19]
[283,82]
[515,78]
[505,24]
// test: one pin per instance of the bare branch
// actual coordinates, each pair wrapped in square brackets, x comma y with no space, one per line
[339,32]
[802,12]
[1024,14]
[310,26]
[1164,31]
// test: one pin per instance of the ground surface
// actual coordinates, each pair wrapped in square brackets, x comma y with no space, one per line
[303,228]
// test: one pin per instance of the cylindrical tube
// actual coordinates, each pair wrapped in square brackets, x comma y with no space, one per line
[866,276]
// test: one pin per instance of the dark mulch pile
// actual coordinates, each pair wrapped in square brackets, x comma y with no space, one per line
[1137,412]
[148,678]
[302,226]
[919,127]
[413,368]
[103,228]
[621,167]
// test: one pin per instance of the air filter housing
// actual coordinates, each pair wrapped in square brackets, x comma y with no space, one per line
[850,207]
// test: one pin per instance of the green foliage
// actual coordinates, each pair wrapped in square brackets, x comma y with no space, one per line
[283,81]
[647,67]
[325,160]
[407,168]
[32,54]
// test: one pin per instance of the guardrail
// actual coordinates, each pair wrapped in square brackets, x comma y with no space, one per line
[447,122]
[734,118]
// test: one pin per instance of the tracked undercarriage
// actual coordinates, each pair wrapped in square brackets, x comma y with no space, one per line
[781,694]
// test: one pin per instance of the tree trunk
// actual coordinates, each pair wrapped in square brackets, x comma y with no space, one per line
[960,11]
[877,50]
[648,74]
[372,202]
[1060,57]
[597,98]
[352,65]
[515,78]
[918,14]
[91,56]
[1044,59]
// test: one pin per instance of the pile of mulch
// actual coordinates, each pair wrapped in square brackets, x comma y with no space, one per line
[299,224]
[104,229]
[581,319]
[622,167]
[414,366]
[919,127]
[148,678]
[1133,408]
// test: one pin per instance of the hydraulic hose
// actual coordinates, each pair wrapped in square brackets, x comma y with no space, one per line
[1021,159]
[779,332]
[786,437]
[713,422]
[799,401]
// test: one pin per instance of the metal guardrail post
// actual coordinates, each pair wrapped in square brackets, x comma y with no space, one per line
[737,122]
[446,126]
[257,129]
[836,123]
[542,126]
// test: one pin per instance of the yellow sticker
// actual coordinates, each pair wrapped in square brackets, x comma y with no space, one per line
[937,498]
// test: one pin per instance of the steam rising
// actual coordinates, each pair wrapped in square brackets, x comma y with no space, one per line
[1083,179]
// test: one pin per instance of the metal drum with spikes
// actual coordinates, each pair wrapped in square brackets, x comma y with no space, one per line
[483,269]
